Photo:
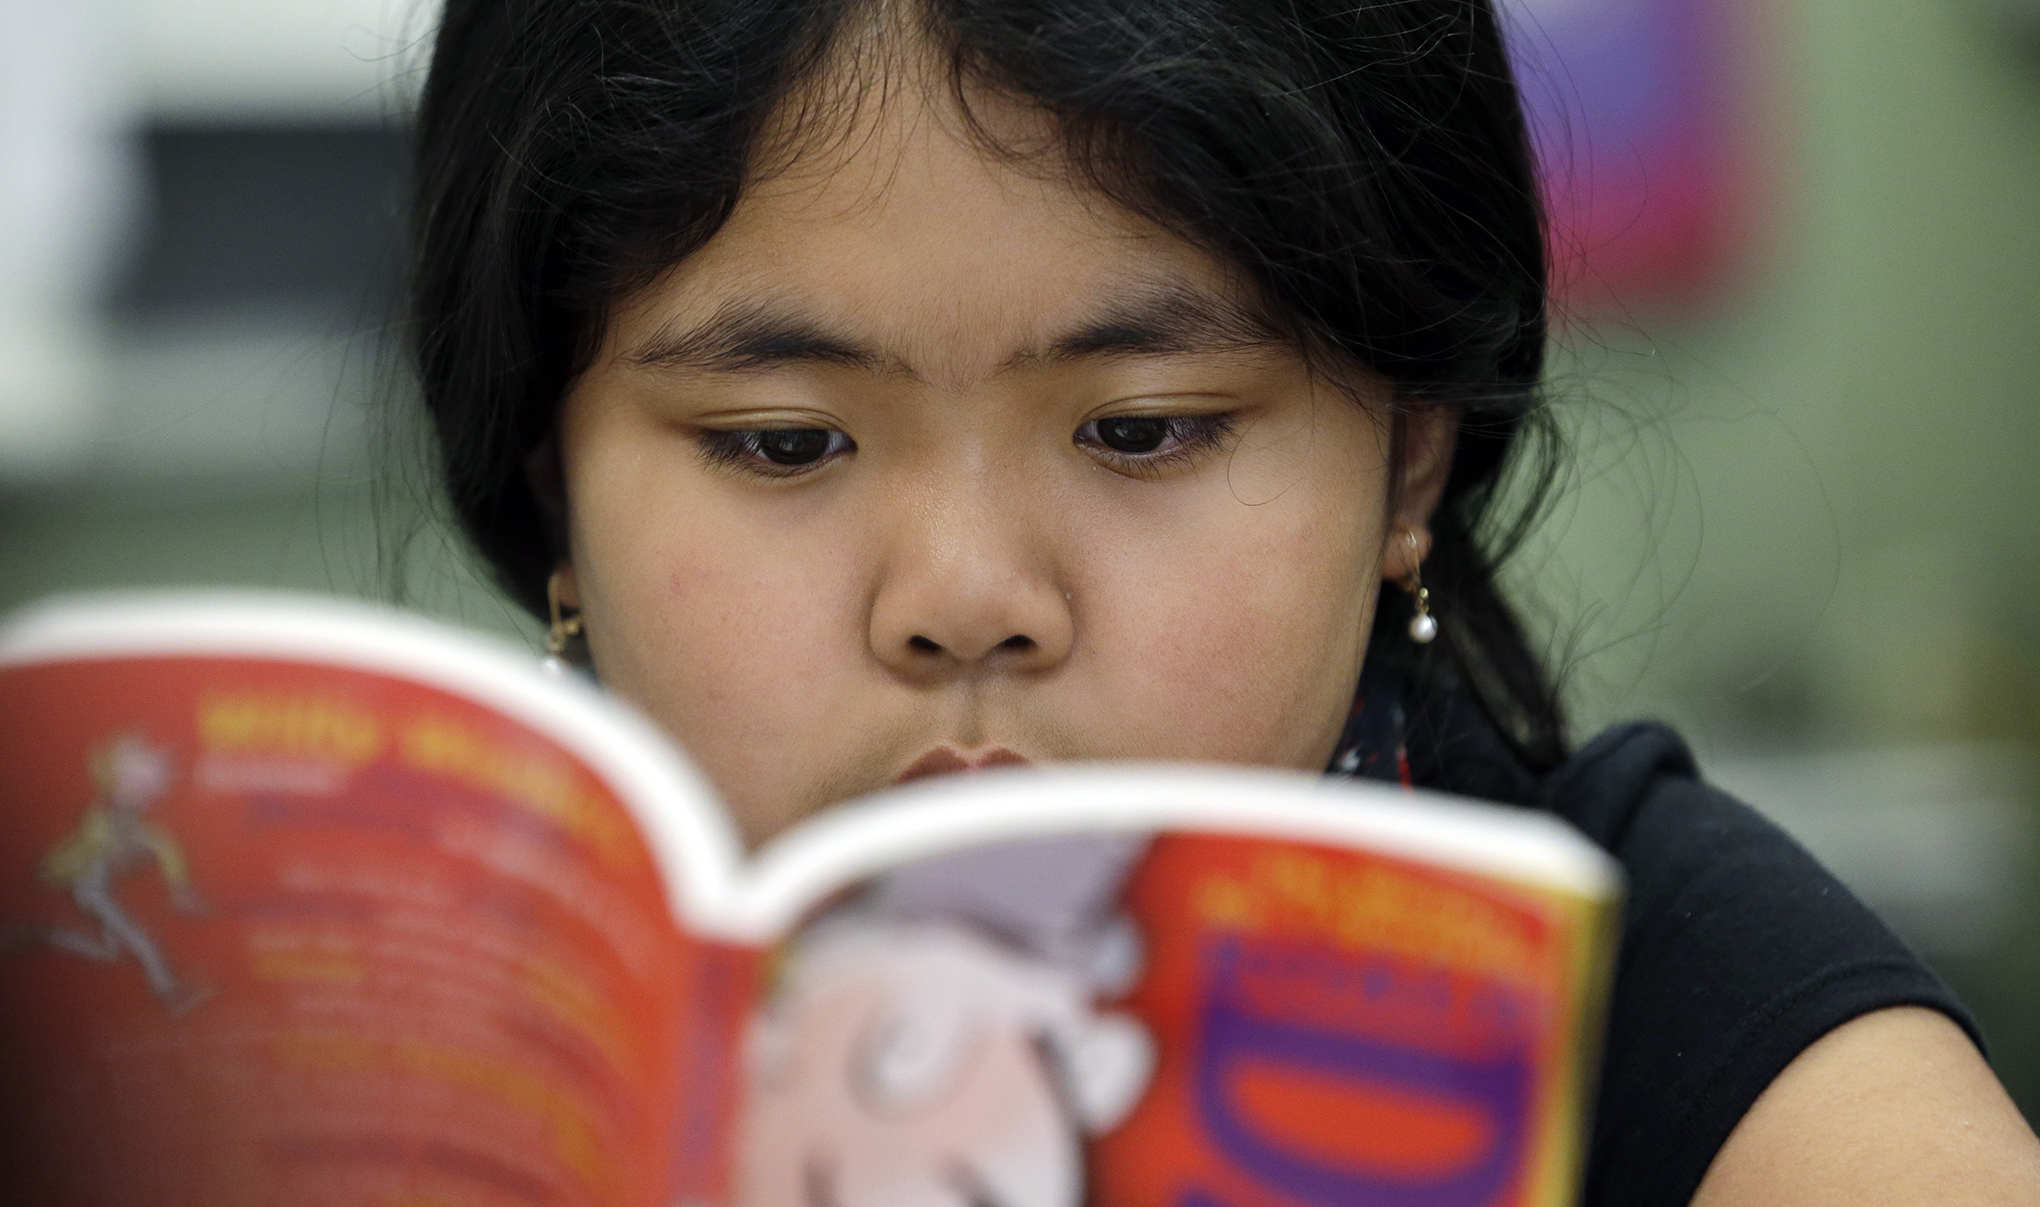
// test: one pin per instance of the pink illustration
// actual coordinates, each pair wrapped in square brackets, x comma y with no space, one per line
[942,1043]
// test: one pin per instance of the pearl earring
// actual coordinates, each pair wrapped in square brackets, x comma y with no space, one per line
[1423,626]
[562,633]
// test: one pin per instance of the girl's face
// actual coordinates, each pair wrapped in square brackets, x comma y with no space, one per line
[931,459]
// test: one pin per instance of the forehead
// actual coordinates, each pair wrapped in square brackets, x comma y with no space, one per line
[951,237]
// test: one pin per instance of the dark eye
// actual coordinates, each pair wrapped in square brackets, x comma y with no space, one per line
[1153,440]
[794,446]
[1133,433]
[780,452]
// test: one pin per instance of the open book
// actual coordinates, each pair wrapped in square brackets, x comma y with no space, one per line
[307,903]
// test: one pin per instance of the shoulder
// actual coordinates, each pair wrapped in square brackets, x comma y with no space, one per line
[1892,1108]
[1739,952]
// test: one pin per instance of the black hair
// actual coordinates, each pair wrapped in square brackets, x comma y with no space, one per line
[1364,163]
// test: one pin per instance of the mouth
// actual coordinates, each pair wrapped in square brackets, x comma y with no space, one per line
[947,760]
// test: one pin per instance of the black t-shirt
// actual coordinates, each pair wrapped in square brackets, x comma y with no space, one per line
[1738,949]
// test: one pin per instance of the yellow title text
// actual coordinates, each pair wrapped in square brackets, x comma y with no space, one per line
[326,728]
[1374,907]
[535,780]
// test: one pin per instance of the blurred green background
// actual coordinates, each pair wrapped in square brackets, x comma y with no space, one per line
[1802,518]
[1799,521]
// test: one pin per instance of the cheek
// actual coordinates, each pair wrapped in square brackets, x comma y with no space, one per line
[746,617]
[723,622]
[1265,608]
[1247,650]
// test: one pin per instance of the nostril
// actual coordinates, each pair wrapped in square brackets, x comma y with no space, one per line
[924,645]
[1018,641]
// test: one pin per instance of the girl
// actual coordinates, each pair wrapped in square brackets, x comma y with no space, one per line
[900,387]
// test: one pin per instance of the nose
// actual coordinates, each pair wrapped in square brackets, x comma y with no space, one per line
[969,584]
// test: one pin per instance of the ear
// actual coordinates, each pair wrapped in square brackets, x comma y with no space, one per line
[546,479]
[1429,434]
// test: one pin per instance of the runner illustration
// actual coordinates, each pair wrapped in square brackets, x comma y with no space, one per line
[111,842]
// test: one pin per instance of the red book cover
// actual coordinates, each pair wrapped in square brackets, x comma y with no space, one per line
[302,903]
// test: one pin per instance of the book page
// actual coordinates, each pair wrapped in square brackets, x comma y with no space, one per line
[277,932]
[1176,989]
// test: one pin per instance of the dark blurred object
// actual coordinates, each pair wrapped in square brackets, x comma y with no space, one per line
[244,345]
[305,217]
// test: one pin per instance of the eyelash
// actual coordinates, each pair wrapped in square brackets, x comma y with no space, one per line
[745,450]
[1186,437]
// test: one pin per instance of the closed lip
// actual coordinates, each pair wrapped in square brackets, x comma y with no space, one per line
[948,760]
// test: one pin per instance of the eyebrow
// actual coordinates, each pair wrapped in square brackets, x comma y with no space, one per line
[1154,319]
[1162,319]
[750,335]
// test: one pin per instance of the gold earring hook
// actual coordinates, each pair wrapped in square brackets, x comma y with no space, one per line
[1413,582]
[564,628]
